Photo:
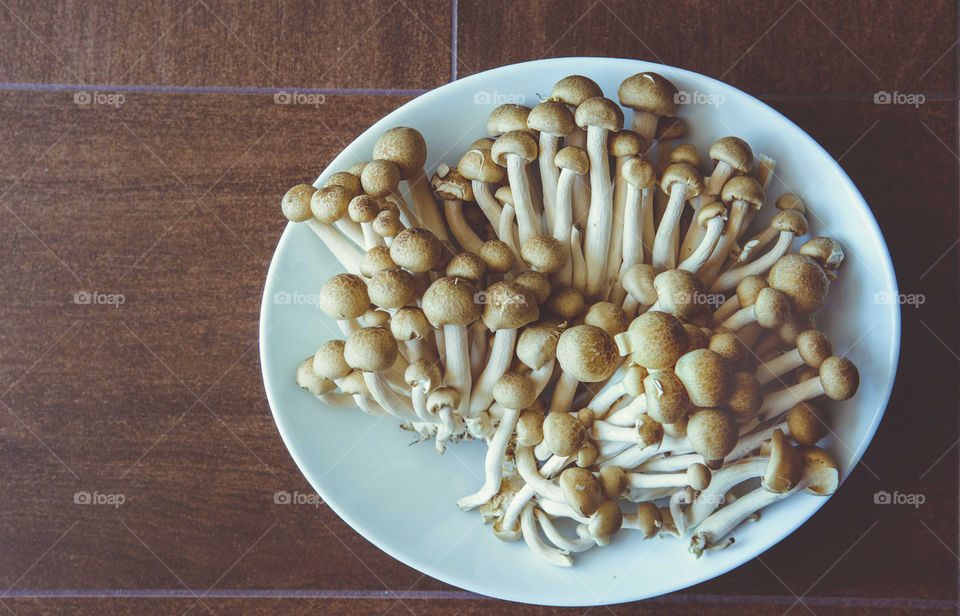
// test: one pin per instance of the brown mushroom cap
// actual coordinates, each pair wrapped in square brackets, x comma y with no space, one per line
[785,468]
[328,361]
[686,153]
[508,306]
[574,89]
[363,209]
[536,283]
[697,338]
[581,489]
[682,174]
[572,158]
[807,423]
[587,353]
[296,203]
[649,92]
[529,427]
[562,433]
[626,143]
[599,112]
[677,429]
[346,179]
[667,399]
[423,373]
[376,259]
[467,265]
[537,345]
[544,252]
[442,398]
[387,224]
[790,201]
[504,195]
[821,471]
[735,152]
[607,316]
[477,164]
[344,296]
[606,521]
[417,250]
[371,349]
[729,346]
[657,340]
[638,282]
[671,128]
[679,292]
[552,118]
[410,323]
[839,377]
[498,256]
[814,347]
[376,318]
[506,118]
[790,220]
[514,391]
[772,308]
[793,327]
[743,188]
[698,476]
[566,302]
[649,519]
[449,185]
[354,384]
[405,147]
[749,288]
[380,178]
[391,288]
[519,143]
[826,251]
[802,280]
[746,396]
[709,212]
[613,481]
[713,434]
[633,378]
[309,380]
[706,377]
[451,301]
[639,173]
[329,204]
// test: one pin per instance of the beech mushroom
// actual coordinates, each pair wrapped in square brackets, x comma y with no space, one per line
[740,194]
[638,176]
[812,349]
[838,379]
[454,189]
[770,310]
[679,292]
[826,251]
[713,434]
[581,490]
[667,134]
[647,520]
[572,162]
[650,96]
[373,351]
[410,326]
[706,377]
[381,179]
[638,283]
[586,354]
[607,316]
[710,219]
[566,303]
[344,298]
[544,253]
[681,182]
[297,206]
[376,259]
[573,90]
[478,166]
[746,295]
[423,377]
[515,150]
[498,256]
[391,288]
[553,120]
[757,243]
[655,340]
[417,250]
[802,280]
[624,146]
[363,210]
[442,403]
[789,224]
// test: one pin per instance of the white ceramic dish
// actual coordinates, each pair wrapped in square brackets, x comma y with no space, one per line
[402,498]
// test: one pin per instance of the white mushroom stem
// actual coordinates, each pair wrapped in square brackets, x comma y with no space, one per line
[721,482]
[644,123]
[542,375]
[718,525]
[738,213]
[398,406]
[549,176]
[425,207]
[631,240]
[579,263]
[501,354]
[740,319]
[563,393]
[600,216]
[478,350]
[708,242]
[656,480]
[732,277]
[487,202]
[528,526]
[493,462]
[765,168]
[581,187]
[348,326]
[450,425]
[779,365]
[407,217]
[777,402]
[528,223]
[648,226]
[465,236]
[527,467]
[664,243]
[722,172]
[370,237]
[369,406]
[582,543]
[563,224]
[679,503]
[339,246]
[549,468]
[457,375]
[418,398]
[603,431]
[619,222]
[678,462]
[628,415]
[727,309]
[560,509]
[351,229]
[506,232]
[605,398]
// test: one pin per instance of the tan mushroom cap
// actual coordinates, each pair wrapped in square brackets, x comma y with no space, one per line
[677,429]
[656,340]
[606,521]
[785,468]
[376,259]
[746,396]
[706,376]
[405,147]
[728,345]
[685,175]
[667,399]
[344,296]
[638,282]
[821,470]
[805,373]
[582,491]
[423,373]
[529,427]
[346,179]
[633,378]
[296,203]
[363,209]
[626,143]
[572,158]
[380,178]
[613,481]
[735,152]
[697,338]
[504,195]
[451,301]
[514,391]
[371,349]
[713,434]
[357,167]
[442,398]
[825,251]
[562,433]
[328,361]
[639,173]
[376,318]
[574,89]
[329,204]
[507,118]
[709,212]
[516,142]
[497,255]
[743,188]
[607,316]
[509,306]
[599,112]
[451,186]
[772,308]
[467,265]
[308,379]
[478,164]
[672,128]
[802,280]
[807,423]
[793,327]
[391,288]
[587,353]
[649,519]
[387,224]
[536,283]
[544,252]
[839,377]
[417,250]
[679,292]
[790,220]
[814,347]
[410,323]
[552,118]
[789,201]
[537,345]
[749,288]
[354,384]
[686,153]
[649,92]
[566,302]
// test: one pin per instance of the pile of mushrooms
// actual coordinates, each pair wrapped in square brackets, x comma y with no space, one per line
[549,294]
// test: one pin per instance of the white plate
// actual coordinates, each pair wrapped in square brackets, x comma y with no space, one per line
[402,498]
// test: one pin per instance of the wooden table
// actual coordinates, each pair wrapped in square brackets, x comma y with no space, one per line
[142,159]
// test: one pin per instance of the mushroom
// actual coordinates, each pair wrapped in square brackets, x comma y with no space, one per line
[528,526]
[363,210]
[566,303]
[731,155]
[789,224]
[586,354]
[544,253]
[639,176]
[507,230]
[537,345]
[498,256]
[682,182]
[607,316]
[406,148]
[514,150]
[713,434]
[838,379]
[297,207]
[655,340]
[667,134]
[381,179]
[572,162]
[344,298]
[706,377]
[650,96]
[514,392]
[579,262]
[582,543]
[638,283]
[454,189]
[391,289]
[812,348]
[746,295]
[321,388]
[581,490]
[376,259]
[442,403]
[506,527]
[409,325]
[573,90]
[771,309]
[745,397]
[740,194]
[553,120]
[802,280]
[624,146]
[647,520]
[710,219]
[417,250]
[477,165]
[826,251]
[423,377]
[373,351]
[467,265]
[754,245]
[679,292]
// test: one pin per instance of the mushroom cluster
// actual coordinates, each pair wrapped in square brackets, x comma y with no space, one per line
[552,294]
